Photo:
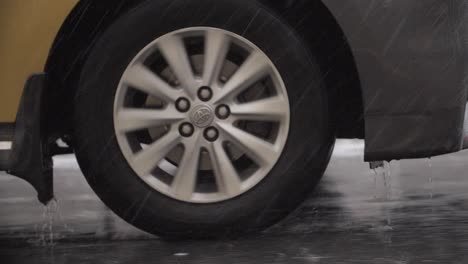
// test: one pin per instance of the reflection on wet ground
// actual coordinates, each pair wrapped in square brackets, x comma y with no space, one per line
[409,212]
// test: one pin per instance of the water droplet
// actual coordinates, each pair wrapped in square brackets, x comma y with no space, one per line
[45,237]
[383,188]
[46,233]
[430,178]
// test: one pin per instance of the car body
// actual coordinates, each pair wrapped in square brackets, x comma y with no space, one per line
[396,72]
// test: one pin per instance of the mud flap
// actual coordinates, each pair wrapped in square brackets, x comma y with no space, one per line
[30,159]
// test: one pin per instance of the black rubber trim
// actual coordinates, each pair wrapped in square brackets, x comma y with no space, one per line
[30,160]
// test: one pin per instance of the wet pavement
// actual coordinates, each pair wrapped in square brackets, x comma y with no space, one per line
[410,212]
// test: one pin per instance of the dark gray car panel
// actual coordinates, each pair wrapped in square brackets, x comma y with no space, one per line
[411,57]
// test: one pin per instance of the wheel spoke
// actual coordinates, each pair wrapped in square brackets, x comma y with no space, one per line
[140,77]
[134,119]
[216,49]
[147,159]
[186,178]
[227,178]
[261,151]
[175,53]
[251,71]
[270,109]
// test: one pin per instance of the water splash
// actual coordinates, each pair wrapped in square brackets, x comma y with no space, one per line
[46,233]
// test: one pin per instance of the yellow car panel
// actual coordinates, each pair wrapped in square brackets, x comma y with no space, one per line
[27,31]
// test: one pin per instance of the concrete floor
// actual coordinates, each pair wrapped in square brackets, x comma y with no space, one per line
[411,212]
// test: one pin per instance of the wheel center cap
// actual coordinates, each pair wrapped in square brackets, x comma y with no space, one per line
[202,115]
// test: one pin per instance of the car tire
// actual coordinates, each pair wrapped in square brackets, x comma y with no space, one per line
[103,159]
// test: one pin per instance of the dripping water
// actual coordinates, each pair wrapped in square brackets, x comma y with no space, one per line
[387,174]
[45,230]
[383,189]
[430,178]
[47,234]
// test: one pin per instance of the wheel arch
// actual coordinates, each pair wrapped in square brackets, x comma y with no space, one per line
[318,27]
[90,18]
[69,52]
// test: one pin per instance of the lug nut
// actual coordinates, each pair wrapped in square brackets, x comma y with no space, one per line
[223,111]
[211,134]
[182,105]
[205,93]
[186,129]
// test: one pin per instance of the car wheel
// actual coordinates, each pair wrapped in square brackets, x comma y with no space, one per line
[198,118]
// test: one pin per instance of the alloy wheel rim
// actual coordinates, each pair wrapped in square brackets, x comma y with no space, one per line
[201,115]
